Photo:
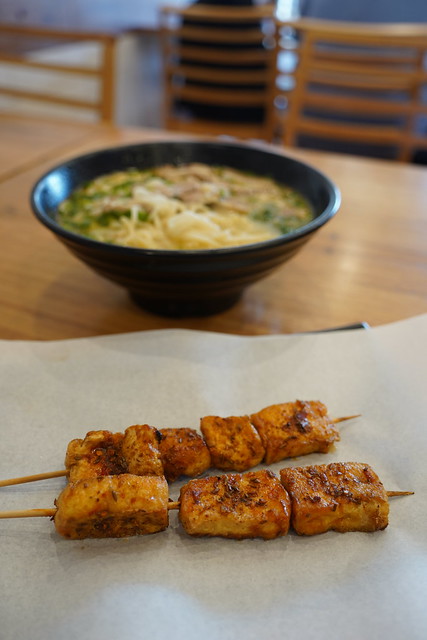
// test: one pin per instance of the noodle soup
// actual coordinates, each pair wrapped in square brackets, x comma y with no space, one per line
[185,207]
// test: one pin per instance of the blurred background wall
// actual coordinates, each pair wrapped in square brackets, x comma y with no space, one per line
[100,14]
[138,63]
[122,13]
[366,10]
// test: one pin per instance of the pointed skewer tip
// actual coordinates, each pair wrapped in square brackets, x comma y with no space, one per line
[29,513]
[336,420]
[392,494]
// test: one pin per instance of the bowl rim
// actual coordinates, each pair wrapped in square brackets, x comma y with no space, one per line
[51,223]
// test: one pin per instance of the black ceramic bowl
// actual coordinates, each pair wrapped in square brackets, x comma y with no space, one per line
[179,283]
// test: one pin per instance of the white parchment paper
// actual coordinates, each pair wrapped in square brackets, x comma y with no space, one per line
[347,586]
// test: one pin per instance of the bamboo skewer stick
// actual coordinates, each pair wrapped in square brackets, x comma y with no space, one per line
[392,494]
[28,513]
[49,513]
[33,478]
[337,420]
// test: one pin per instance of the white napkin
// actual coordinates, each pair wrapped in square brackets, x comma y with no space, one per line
[346,586]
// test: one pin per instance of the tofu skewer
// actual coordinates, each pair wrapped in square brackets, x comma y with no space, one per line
[109,507]
[313,499]
[279,431]
[112,507]
[234,443]
[50,512]
[230,444]
[294,429]
[183,453]
[340,496]
[142,450]
[249,505]
[99,453]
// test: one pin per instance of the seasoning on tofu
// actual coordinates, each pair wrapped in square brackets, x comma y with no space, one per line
[234,443]
[183,452]
[98,454]
[141,450]
[250,505]
[341,496]
[294,429]
[112,507]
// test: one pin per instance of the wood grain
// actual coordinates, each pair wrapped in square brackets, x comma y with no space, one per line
[23,38]
[368,264]
[193,67]
[346,82]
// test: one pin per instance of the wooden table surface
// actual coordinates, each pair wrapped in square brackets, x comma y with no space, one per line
[367,264]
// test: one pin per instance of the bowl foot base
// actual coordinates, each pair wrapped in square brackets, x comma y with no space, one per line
[185,308]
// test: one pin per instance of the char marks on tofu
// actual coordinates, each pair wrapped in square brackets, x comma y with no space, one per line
[234,443]
[183,452]
[341,496]
[250,505]
[112,507]
[141,450]
[98,454]
[294,429]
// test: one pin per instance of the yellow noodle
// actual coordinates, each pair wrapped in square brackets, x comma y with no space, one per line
[188,207]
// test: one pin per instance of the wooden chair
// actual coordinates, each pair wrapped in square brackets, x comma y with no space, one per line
[20,49]
[214,66]
[359,85]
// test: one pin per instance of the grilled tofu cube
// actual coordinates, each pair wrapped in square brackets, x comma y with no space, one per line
[234,443]
[183,452]
[249,505]
[294,429]
[141,450]
[112,507]
[338,496]
[98,454]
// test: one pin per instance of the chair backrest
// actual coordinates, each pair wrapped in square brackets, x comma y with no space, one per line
[42,69]
[219,60]
[358,84]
